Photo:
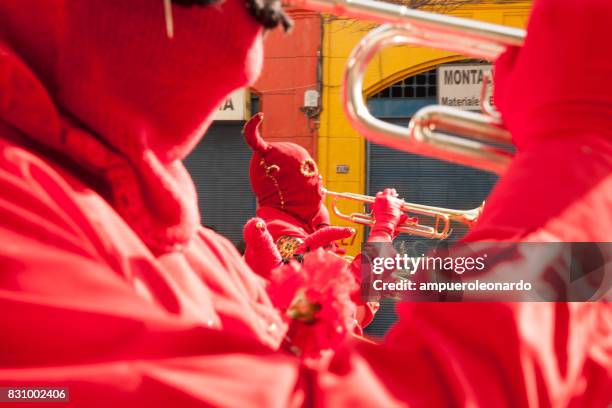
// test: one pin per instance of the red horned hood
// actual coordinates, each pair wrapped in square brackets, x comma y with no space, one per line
[284,176]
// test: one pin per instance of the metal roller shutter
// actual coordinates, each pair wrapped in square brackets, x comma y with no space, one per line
[219,166]
[428,181]
[416,178]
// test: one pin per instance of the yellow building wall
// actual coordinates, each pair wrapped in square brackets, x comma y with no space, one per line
[338,143]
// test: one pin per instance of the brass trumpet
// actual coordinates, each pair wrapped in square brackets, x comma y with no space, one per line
[431,128]
[442,217]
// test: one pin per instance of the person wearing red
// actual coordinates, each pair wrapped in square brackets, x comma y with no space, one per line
[558,188]
[290,199]
[287,184]
[104,263]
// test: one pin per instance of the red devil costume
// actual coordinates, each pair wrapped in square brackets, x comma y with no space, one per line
[287,184]
[109,286]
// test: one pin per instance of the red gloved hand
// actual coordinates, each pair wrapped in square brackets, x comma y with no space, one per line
[261,253]
[387,211]
[324,237]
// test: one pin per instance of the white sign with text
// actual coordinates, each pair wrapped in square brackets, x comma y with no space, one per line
[460,85]
[233,107]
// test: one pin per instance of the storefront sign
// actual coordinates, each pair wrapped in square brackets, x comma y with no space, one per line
[233,108]
[460,85]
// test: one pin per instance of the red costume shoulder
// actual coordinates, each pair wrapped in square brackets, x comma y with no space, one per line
[92,309]
[51,218]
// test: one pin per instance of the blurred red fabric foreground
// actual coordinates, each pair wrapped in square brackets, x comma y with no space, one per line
[108,285]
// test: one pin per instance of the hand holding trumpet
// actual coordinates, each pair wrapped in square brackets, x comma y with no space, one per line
[388,215]
[441,217]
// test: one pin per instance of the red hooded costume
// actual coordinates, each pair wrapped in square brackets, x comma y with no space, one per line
[287,184]
[109,286]
[99,224]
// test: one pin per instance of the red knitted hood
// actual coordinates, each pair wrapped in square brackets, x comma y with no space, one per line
[138,100]
[284,176]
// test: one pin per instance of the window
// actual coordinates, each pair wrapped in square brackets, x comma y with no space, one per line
[424,85]
[255,103]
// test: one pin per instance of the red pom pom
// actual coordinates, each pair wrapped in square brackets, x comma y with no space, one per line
[316,299]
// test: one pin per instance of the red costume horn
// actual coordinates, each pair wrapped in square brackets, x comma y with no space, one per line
[261,252]
[252,134]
